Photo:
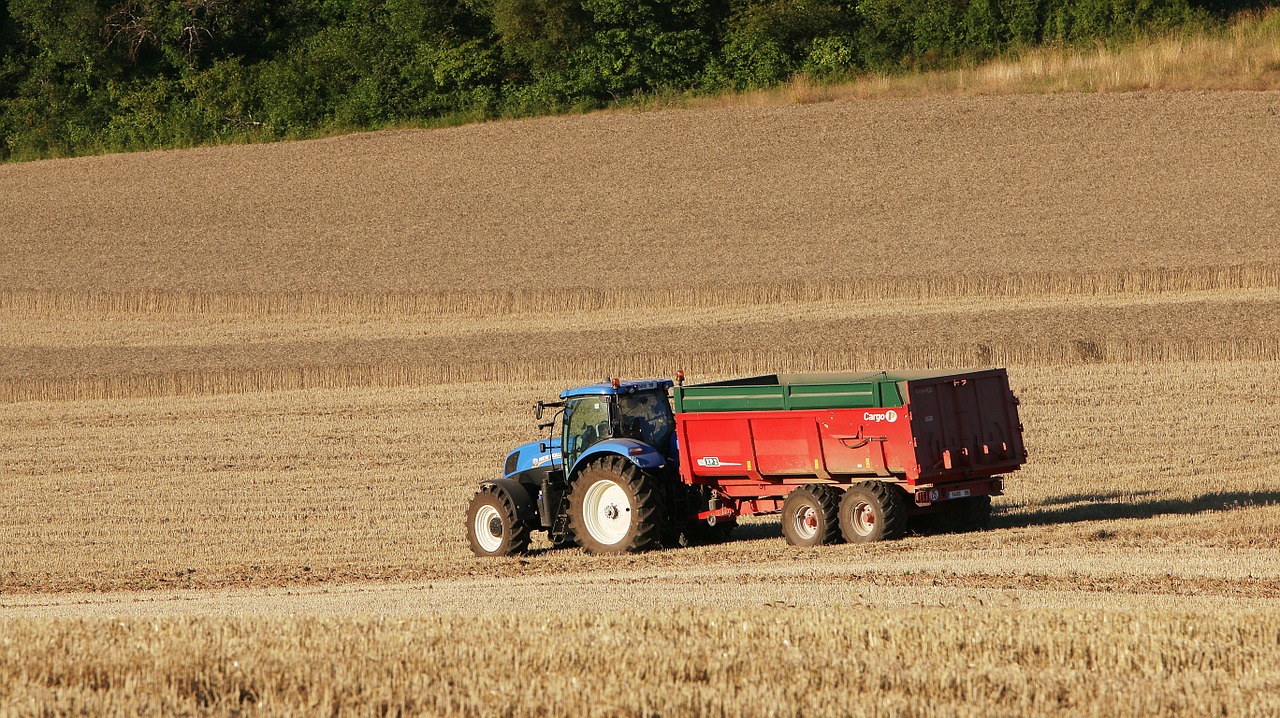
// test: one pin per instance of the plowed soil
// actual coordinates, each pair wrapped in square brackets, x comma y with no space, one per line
[855,191]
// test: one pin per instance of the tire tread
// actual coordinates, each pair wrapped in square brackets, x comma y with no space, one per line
[891,511]
[518,542]
[647,513]
[827,500]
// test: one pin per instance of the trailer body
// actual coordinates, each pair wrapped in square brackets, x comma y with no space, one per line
[937,435]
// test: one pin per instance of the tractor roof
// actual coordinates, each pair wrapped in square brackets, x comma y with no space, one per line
[605,388]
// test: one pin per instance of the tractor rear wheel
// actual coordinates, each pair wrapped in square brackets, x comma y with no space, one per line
[809,516]
[872,511]
[494,524]
[615,508]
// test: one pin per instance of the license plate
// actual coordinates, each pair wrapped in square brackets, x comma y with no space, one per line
[958,494]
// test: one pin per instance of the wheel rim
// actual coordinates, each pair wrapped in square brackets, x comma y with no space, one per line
[804,520]
[607,512]
[863,518]
[488,528]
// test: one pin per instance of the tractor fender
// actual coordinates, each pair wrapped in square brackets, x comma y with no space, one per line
[526,507]
[647,458]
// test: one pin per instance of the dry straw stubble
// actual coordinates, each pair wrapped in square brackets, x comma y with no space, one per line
[763,661]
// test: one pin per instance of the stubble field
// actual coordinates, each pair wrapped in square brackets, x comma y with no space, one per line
[246,392]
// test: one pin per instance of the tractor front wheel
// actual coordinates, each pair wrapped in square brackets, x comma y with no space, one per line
[494,526]
[615,508]
[809,516]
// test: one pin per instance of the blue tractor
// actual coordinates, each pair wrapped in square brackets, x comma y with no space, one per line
[609,482]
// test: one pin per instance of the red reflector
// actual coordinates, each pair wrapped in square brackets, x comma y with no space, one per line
[636,451]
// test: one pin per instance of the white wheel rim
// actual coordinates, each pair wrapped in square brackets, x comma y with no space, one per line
[863,518]
[607,512]
[805,522]
[486,518]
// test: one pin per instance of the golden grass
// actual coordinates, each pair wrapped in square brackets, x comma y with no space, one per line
[761,661]
[1245,55]
[82,345]
[60,303]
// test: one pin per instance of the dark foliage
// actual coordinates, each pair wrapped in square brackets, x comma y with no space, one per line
[81,76]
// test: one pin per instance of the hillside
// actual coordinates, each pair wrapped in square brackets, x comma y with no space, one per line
[246,393]
[863,192]
[416,256]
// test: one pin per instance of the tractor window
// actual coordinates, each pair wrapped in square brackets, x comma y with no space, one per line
[646,416]
[586,421]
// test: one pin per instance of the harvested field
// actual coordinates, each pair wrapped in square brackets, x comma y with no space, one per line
[862,192]
[245,394]
[323,486]
[1005,662]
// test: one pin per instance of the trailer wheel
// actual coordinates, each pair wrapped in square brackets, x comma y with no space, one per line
[809,516]
[967,514]
[977,513]
[872,511]
[956,516]
[494,524]
[615,508]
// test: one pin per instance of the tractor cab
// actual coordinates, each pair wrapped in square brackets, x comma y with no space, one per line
[633,415]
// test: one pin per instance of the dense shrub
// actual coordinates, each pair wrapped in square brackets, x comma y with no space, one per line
[82,76]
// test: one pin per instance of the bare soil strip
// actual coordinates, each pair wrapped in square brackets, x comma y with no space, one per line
[1109,581]
[867,191]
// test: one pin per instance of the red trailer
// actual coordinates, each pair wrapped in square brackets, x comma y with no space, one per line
[858,455]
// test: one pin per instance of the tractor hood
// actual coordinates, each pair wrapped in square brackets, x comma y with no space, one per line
[533,456]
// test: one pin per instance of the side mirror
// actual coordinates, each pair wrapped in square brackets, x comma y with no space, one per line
[542,447]
[537,410]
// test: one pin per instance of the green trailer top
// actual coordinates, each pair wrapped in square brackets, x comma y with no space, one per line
[781,392]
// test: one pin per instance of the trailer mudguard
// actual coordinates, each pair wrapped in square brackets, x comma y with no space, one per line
[644,456]
[526,507]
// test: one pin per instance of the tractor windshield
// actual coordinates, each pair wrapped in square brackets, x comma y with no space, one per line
[646,416]
[586,421]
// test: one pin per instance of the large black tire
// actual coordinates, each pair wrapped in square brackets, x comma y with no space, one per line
[496,525]
[872,511]
[958,516]
[616,508]
[809,516]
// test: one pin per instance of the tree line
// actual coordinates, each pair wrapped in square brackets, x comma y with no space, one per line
[84,76]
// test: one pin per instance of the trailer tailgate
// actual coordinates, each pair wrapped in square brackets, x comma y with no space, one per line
[964,424]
